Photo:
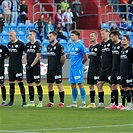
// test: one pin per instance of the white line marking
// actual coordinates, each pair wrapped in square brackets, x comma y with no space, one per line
[62,129]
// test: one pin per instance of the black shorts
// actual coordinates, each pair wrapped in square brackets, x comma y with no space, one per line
[1,79]
[115,77]
[126,80]
[93,75]
[34,75]
[105,75]
[54,76]
[16,74]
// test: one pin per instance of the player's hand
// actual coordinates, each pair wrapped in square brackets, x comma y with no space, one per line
[29,68]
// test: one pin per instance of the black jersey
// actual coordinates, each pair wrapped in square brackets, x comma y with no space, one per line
[54,55]
[95,55]
[3,53]
[126,60]
[116,52]
[15,53]
[107,54]
[31,50]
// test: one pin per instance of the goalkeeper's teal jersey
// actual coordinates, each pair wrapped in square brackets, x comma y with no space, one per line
[76,55]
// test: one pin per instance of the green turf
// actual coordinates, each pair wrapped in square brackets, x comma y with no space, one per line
[44,82]
[53,120]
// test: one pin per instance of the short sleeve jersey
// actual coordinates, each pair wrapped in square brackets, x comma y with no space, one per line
[107,54]
[76,55]
[126,60]
[31,50]
[3,53]
[15,53]
[54,56]
[95,55]
[116,52]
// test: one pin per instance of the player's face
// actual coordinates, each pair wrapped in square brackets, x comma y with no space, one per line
[124,41]
[104,35]
[92,37]
[113,38]
[52,38]
[74,37]
[31,36]
[12,36]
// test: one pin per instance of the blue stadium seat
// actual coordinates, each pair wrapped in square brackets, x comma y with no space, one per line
[65,34]
[105,25]
[21,35]
[64,44]
[129,25]
[30,26]
[6,27]
[5,35]
[26,41]
[129,33]
[45,42]
[13,27]
[4,42]
[22,27]
[44,50]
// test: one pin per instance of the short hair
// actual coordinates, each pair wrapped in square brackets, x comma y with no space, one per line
[127,37]
[115,33]
[12,31]
[75,32]
[68,8]
[54,33]
[33,31]
[104,29]
[95,33]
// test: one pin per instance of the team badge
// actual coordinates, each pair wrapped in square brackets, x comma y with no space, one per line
[16,46]
[118,47]
[0,50]
[34,46]
[126,51]
[76,49]
[95,49]
[108,44]
[30,46]
[55,47]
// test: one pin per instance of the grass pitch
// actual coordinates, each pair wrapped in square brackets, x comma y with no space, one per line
[19,119]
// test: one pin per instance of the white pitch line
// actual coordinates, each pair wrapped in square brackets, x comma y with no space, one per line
[62,129]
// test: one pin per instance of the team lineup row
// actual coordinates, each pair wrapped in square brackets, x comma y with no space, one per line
[109,62]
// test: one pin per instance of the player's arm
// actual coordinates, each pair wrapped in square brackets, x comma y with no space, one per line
[25,59]
[38,55]
[85,58]
[62,54]
[63,59]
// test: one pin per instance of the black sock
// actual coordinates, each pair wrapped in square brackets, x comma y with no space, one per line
[61,94]
[101,97]
[115,92]
[123,97]
[22,90]
[128,96]
[132,95]
[92,96]
[3,91]
[39,90]
[31,93]
[112,97]
[51,96]
[12,91]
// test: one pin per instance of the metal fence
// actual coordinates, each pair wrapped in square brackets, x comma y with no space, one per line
[110,16]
